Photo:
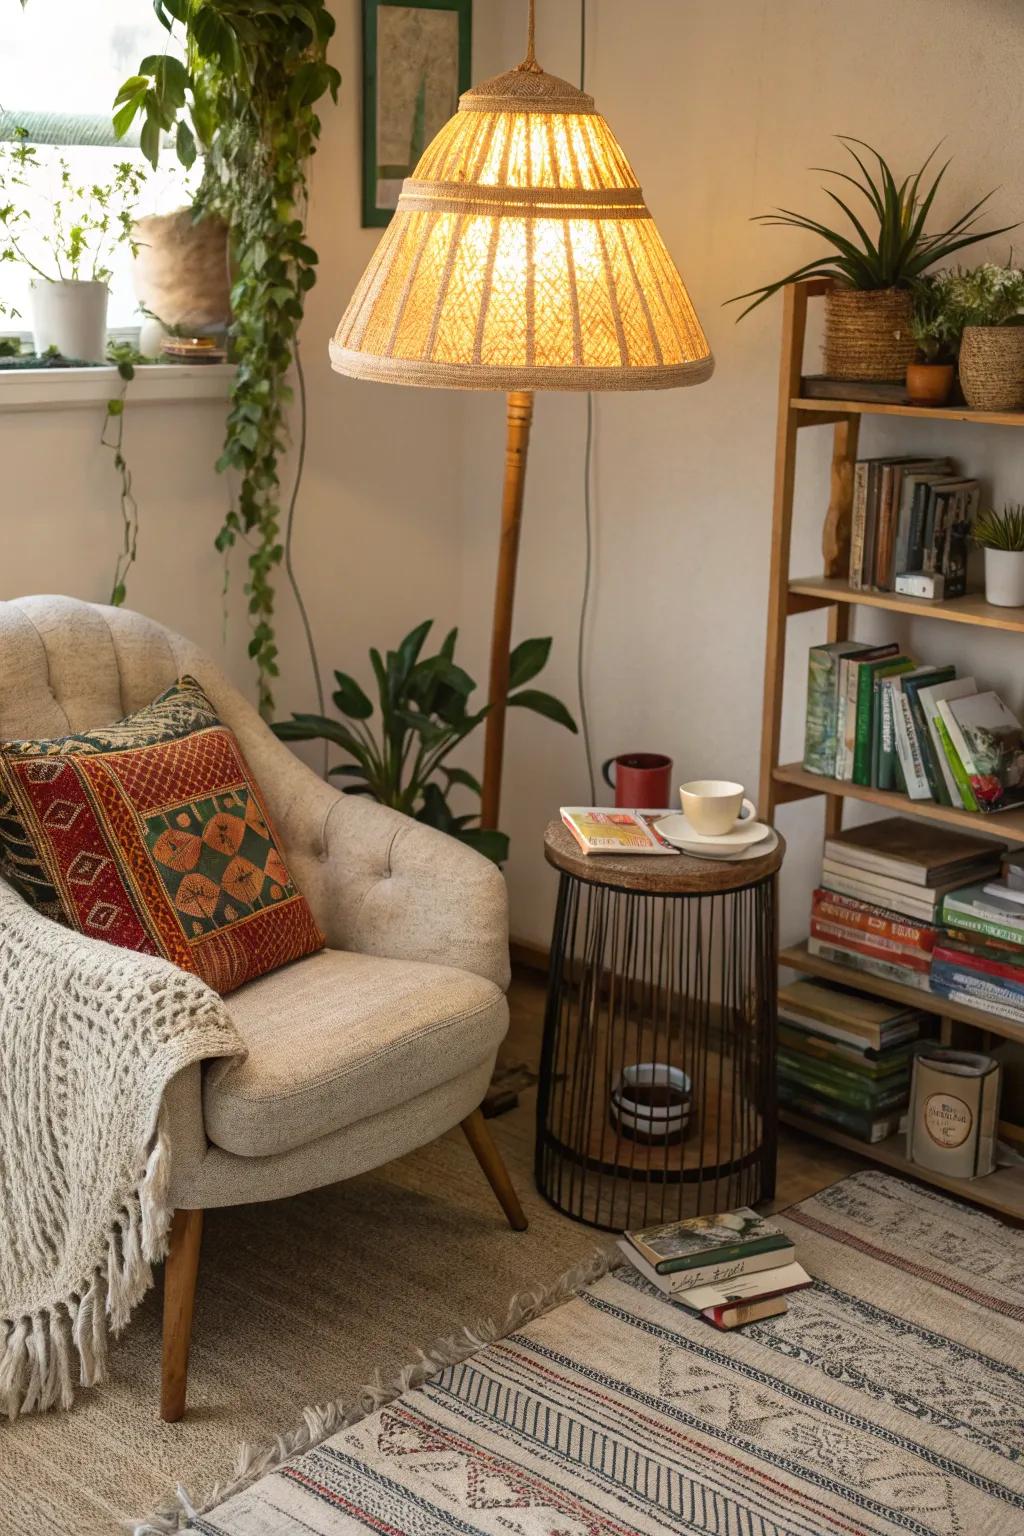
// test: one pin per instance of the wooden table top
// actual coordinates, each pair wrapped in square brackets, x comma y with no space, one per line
[656,874]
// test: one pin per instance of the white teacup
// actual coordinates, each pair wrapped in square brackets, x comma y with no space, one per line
[715,806]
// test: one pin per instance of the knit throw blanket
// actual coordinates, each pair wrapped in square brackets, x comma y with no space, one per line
[90,1036]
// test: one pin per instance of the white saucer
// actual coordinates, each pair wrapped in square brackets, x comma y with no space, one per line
[733,855]
[677,830]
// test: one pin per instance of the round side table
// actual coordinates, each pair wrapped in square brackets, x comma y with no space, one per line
[657,1077]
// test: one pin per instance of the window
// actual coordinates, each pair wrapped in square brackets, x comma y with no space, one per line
[61,64]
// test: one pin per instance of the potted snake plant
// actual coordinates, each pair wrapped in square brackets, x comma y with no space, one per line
[875,265]
[1001,536]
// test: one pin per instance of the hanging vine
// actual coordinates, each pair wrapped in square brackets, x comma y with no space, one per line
[245,97]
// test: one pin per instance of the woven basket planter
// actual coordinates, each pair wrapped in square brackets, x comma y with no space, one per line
[182,272]
[867,334]
[992,367]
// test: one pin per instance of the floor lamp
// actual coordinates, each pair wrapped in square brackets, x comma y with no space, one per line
[521,256]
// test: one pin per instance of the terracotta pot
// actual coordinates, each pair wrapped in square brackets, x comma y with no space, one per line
[182,272]
[867,334]
[929,383]
[992,367]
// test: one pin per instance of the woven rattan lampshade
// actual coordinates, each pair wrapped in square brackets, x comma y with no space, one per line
[522,256]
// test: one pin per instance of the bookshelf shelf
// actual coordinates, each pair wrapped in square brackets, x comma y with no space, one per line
[1001,1191]
[781,783]
[799,958]
[971,609]
[832,408]
[1008,826]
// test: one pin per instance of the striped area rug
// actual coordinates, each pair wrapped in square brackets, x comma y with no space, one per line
[890,1398]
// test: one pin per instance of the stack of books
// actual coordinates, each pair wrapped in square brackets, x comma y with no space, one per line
[845,1059]
[731,1268]
[980,957]
[878,908]
[877,718]
[910,515]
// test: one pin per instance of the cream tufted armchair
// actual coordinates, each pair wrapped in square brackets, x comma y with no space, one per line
[356,1055]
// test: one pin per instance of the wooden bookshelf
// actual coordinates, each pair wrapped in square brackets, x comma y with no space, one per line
[782,783]
[799,785]
[799,958]
[1001,1191]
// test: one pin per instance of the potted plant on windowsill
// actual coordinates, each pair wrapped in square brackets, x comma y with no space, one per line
[874,267]
[68,257]
[1001,536]
[930,376]
[987,306]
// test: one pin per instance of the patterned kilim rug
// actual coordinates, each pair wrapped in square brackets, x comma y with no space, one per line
[890,1398]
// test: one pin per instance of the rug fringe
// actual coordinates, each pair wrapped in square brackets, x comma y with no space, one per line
[38,1352]
[326,1419]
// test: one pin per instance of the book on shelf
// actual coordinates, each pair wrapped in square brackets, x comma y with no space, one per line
[861,1127]
[910,514]
[884,970]
[794,1036]
[913,901]
[867,917]
[989,742]
[852,677]
[823,704]
[928,696]
[600,829]
[914,852]
[845,1014]
[698,1243]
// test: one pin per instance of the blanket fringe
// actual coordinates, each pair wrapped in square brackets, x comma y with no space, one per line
[38,1352]
[326,1419]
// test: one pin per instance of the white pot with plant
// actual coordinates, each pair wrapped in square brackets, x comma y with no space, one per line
[1001,536]
[67,252]
[987,306]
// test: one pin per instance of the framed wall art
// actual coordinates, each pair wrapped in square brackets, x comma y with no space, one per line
[416,63]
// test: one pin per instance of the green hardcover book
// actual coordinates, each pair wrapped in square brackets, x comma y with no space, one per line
[868,748]
[963,783]
[869,1128]
[867,1063]
[856,1095]
[911,689]
[890,773]
[956,913]
[822,704]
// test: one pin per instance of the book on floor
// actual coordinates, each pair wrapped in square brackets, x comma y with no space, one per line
[738,1313]
[751,1286]
[702,1242]
[601,829]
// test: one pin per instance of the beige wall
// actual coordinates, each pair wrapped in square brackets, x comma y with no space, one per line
[721,108]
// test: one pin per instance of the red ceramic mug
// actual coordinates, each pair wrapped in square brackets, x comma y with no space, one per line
[642,781]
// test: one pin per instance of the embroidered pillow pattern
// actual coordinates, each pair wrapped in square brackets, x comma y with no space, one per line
[152,834]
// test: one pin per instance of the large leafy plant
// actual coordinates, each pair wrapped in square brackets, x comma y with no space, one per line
[887,245]
[245,97]
[402,758]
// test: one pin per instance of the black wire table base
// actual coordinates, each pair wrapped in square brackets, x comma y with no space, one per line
[657,1078]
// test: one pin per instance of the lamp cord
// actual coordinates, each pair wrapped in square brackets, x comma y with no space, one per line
[588,464]
[289,530]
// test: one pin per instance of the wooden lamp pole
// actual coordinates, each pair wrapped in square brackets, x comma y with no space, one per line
[519,417]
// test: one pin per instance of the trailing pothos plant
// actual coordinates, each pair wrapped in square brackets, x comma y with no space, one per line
[425,713]
[245,97]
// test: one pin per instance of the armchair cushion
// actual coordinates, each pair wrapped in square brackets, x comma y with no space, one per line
[340,1037]
[151,833]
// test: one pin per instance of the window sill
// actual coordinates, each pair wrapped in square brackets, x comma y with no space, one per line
[34,389]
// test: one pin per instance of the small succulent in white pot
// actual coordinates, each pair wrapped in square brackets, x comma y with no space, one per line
[69,252]
[1001,536]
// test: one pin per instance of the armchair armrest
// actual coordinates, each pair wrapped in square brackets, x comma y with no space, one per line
[399,889]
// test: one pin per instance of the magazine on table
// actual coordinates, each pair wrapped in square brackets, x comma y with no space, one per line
[610,829]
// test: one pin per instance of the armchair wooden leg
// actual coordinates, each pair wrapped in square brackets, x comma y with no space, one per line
[180,1273]
[489,1158]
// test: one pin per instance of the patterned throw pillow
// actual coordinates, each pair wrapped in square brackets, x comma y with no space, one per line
[152,834]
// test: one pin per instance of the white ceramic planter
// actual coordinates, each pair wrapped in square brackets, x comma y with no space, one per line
[651,1121]
[71,317]
[1004,577]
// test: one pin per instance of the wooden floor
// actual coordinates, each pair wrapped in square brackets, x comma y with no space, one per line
[805,1163]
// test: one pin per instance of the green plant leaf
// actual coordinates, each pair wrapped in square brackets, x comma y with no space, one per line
[317,727]
[544,704]
[350,698]
[492,844]
[463,777]
[186,145]
[527,659]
